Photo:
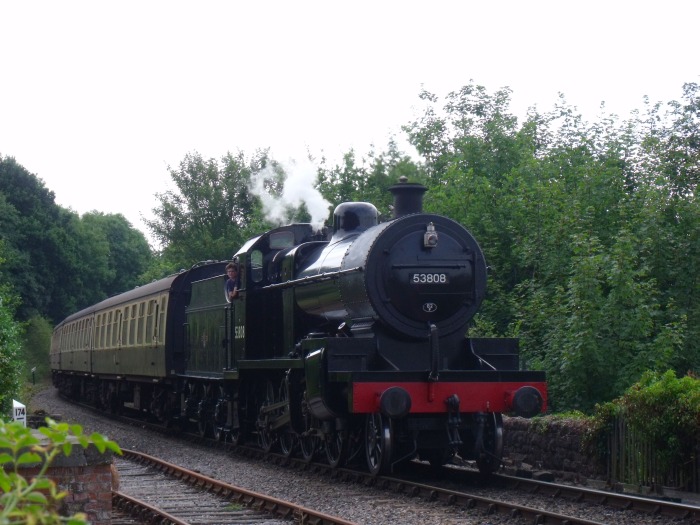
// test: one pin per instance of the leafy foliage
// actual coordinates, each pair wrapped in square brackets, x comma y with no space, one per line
[56,261]
[35,500]
[590,232]
[10,345]
[36,342]
[123,252]
[212,211]
[663,409]
[367,179]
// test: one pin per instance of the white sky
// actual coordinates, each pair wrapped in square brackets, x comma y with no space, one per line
[97,98]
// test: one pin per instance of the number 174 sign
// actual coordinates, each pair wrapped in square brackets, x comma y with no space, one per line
[19,412]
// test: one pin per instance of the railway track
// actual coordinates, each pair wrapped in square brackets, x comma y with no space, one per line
[656,507]
[156,491]
[449,485]
[457,488]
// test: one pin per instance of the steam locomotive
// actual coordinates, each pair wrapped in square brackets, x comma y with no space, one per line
[349,344]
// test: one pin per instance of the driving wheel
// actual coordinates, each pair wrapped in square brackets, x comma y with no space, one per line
[266,436]
[378,443]
[489,459]
[336,448]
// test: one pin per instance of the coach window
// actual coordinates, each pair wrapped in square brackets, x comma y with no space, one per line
[132,324]
[125,327]
[256,265]
[141,323]
[108,331]
[101,336]
[78,335]
[160,323]
[98,331]
[116,317]
[90,332]
[150,316]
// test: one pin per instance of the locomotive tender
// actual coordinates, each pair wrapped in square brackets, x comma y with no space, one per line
[351,345]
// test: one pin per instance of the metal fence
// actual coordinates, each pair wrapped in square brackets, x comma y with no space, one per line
[636,461]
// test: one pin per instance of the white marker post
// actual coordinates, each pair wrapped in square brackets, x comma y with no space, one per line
[19,412]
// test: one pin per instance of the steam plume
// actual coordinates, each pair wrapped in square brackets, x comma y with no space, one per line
[299,179]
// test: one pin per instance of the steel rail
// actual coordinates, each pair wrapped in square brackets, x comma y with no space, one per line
[261,502]
[145,511]
[603,497]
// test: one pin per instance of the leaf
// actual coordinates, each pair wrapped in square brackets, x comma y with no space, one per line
[43,483]
[102,443]
[29,457]
[79,519]
[5,484]
[37,497]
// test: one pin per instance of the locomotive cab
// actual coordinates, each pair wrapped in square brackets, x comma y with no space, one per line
[259,332]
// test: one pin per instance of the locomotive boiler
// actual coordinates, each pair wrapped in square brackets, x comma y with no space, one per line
[351,345]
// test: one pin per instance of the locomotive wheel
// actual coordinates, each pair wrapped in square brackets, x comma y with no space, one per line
[266,438]
[378,443]
[220,415]
[308,441]
[205,416]
[288,442]
[309,446]
[490,457]
[287,436]
[336,448]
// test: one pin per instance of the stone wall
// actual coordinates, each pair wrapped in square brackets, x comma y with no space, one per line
[547,444]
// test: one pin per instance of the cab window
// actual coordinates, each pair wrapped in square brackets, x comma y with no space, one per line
[256,266]
[281,240]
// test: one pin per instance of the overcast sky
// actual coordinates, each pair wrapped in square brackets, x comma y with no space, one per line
[97,98]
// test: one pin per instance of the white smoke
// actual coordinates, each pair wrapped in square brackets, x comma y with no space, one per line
[299,179]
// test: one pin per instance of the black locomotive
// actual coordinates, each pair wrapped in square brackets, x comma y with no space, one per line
[350,344]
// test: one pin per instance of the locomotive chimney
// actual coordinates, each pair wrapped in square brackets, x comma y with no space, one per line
[408,197]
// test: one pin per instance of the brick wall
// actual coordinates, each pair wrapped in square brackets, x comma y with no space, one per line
[86,475]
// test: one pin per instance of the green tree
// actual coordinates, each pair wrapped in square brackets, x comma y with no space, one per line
[212,211]
[30,218]
[56,261]
[10,344]
[590,231]
[368,179]
[128,254]
[36,343]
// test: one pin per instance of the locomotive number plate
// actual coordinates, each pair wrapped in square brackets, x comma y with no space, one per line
[429,278]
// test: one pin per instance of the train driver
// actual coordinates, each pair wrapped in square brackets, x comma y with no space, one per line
[232,284]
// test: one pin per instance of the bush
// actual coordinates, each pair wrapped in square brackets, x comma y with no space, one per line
[661,408]
[666,410]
